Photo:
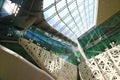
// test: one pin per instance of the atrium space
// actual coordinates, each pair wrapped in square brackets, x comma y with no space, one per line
[59,40]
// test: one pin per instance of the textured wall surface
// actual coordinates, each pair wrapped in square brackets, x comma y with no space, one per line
[105,66]
[55,66]
[15,67]
[106,8]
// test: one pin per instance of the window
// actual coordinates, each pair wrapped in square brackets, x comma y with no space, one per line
[76,19]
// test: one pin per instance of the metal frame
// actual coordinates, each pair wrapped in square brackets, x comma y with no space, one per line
[73,18]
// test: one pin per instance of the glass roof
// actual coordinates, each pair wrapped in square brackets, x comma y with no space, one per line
[70,17]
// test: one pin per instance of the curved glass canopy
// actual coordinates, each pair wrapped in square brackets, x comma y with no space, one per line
[72,18]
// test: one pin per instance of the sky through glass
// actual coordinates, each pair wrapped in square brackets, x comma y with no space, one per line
[70,17]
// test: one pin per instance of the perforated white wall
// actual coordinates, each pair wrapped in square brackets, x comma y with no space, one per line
[105,66]
[55,66]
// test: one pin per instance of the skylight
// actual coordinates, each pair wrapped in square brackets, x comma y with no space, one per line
[70,17]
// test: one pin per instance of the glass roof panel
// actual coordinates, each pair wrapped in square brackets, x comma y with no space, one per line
[59,26]
[91,1]
[64,12]
[77,19]
[79,1]
[46,3]
[71,6]
[70,17]
[59,6]
[66,29]
[69,0]
[81,8]
[50,11]
[72,25]
[67,19]
[74,13]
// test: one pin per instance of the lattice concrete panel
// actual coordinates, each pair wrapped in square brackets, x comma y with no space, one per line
[85,72]
[114,54]
[55,66]
[96,73]
[90,71]
[105,66]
